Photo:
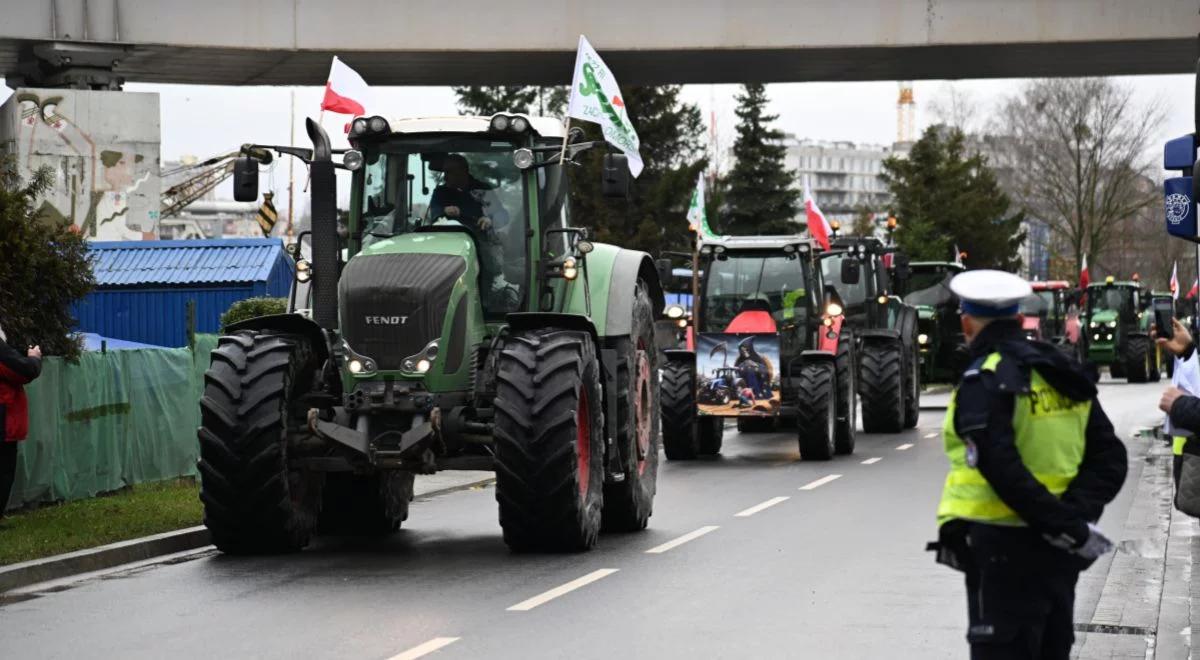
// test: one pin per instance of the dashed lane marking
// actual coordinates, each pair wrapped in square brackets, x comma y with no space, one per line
[820,482]
[872,461]
[690,536]
[759,507]
[562,590]
[904,447]
[931,435]
[425,649]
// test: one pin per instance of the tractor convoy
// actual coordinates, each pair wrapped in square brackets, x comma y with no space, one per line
[457,321]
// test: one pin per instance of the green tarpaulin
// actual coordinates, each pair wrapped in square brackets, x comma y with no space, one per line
[112,420]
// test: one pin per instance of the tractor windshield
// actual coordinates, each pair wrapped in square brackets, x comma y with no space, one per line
[1120,299]
[1040,303]
[749,281]
[852,295]
[930,287]
[451,183]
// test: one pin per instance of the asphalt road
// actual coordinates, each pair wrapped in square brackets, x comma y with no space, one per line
[753,555]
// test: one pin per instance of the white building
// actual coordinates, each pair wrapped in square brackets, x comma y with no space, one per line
[845,178]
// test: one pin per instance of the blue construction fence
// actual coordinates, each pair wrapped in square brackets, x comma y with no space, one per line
[115,419]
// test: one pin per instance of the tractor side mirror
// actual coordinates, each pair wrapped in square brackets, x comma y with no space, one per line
[614,177]
[663,266]
[245,179]
[851,270]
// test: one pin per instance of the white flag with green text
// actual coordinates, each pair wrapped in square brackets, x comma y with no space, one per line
[696,216]
[596,97]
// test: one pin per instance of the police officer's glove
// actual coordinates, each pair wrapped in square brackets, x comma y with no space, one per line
[1091,548]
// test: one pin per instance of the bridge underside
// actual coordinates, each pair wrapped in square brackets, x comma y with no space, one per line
[239,66]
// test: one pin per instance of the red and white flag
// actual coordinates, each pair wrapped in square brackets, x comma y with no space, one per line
[1192,293]
[818,226]
[1175,281]
[345,92]
[1084,278]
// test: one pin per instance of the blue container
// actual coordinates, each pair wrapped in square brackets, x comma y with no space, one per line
[143,287]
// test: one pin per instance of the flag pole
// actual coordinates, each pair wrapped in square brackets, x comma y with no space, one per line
[292,171]
[562,156]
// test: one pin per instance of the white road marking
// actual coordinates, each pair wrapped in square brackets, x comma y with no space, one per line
[425,649]
[690,536]
[905,446]
[820,482]
[872,461]
[545,597]
[759,507]
[931,435]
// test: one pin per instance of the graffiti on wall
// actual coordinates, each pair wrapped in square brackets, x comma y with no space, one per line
[104,164]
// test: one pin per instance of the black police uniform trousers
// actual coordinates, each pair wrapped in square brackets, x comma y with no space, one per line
[1021,595]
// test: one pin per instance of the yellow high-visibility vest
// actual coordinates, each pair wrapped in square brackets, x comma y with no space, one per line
[1051,433]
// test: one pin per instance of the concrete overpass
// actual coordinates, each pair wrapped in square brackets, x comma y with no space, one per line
[438,42]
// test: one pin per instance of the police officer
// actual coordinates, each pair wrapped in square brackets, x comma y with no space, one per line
[1033,462]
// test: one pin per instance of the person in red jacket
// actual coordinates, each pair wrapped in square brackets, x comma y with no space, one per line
[15,371]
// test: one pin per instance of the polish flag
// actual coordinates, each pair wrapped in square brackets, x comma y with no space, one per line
[346,92]
[818,226]
[1084,278]
[1192,293]
[1175,281]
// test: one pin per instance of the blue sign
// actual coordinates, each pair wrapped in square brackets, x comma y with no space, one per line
[1180,208]
[1180,153]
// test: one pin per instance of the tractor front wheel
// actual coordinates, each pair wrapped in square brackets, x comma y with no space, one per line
[549,441]
[1136,359]
[678,401]
[816,420]
[881,375]
[253,502]
[847,396]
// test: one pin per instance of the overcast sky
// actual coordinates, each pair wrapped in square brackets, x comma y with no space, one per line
[204,121]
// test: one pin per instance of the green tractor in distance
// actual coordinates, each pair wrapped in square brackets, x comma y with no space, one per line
[767,346]
[884,329]
[456,322]
[1117,330]
[940,335]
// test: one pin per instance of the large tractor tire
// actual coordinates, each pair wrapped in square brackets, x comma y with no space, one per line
[881,377]
[686,435]
[847,396]
[253,502]
[816,421]
[1117,369]
[1136,359]
[748,424]
[629,503]
[549,437]
[912,380]
[365,505]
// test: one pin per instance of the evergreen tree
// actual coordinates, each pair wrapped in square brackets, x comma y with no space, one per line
[44,270]
[760,192]
[943,197]
[864,223]
[654,217]
[488,100]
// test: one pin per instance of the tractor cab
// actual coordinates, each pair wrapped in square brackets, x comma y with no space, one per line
[763,311]
[943,345]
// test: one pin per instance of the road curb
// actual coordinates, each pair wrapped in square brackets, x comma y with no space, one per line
[112,555]
[105,556]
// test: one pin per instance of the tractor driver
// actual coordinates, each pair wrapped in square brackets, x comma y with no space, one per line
[474,204]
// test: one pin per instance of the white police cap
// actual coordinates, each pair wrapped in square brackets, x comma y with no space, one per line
[990,292]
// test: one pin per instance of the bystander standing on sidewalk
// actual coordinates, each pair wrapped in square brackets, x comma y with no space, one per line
[16,370]
[1182,406]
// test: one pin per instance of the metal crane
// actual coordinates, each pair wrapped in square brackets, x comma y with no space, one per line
[203,177]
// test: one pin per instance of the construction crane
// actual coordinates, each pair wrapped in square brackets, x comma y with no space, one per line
[906,109]
[201,178]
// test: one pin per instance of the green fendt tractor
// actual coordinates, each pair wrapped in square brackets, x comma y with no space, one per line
[456,322]
[884,328]
[1117,330]
[767,345]
[940,335]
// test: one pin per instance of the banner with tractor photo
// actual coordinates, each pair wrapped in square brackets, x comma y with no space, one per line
[737,374]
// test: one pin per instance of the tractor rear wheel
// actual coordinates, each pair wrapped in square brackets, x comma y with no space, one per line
[1136,359]
[678,401]
[628,504]
[881,376]
[365,505]
[847,395]
[816,420]
[549,441]
[253,502]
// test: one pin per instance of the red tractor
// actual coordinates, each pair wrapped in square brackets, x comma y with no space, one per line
[1051,315]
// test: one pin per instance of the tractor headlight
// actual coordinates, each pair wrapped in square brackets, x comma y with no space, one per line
[360,366]
[922,339]
[303,271]
[681,323]
[827,321]
[358,127]
[1109,336]
[519,124]
[423,365]
[523,159]
[569,270]
[500,123]
[355,366]
[883,300]
[1093,324]
[377,124]
[675,311]
[352,160]
[833,309]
